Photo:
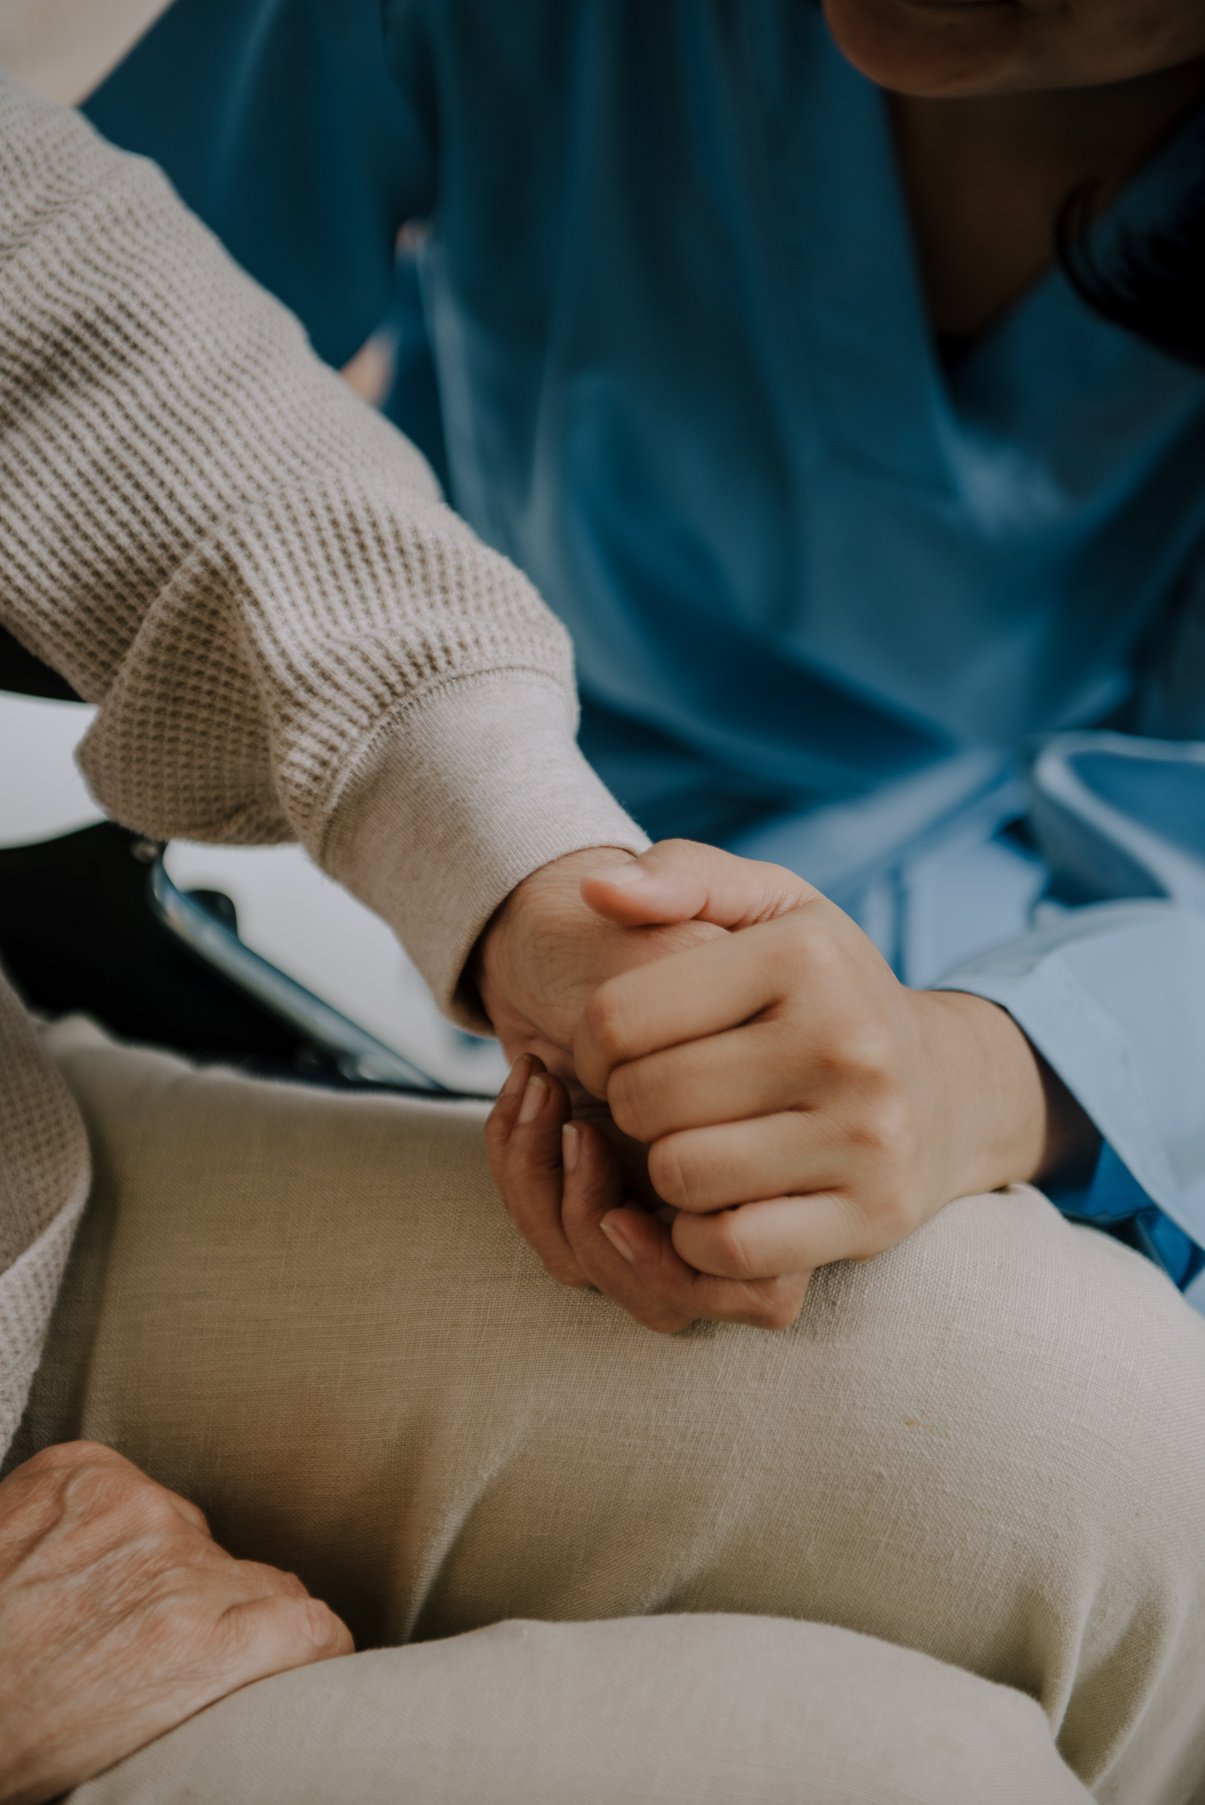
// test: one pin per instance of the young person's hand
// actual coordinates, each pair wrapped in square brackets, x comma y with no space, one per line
[120,1617]
[799,1103]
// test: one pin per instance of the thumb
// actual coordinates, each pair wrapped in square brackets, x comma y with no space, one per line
[683,880]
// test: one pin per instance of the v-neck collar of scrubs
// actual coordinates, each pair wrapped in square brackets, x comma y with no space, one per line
[885,400]
[862,330]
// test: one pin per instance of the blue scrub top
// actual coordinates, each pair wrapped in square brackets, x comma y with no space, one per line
[930,631]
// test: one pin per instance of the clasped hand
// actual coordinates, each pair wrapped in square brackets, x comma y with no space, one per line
[120,1617]
[745,1092]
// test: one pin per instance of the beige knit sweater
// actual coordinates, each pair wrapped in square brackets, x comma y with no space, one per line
[287,633]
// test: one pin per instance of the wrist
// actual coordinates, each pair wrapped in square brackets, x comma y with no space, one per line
[1006,1117]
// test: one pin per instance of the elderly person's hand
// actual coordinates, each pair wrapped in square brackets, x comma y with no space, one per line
[800,1105]
[546,952]
[562,1179]
[120,1617]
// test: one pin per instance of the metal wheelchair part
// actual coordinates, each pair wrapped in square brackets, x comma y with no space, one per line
[358,1054]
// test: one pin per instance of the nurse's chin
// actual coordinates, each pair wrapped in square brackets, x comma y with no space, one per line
[942,47]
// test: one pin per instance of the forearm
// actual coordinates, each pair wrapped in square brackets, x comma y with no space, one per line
[286,631]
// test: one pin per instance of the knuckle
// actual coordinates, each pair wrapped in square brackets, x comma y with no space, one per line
[606,1017]
[288,1584]
[895,1217]
[498,1173]
[563,1267]
[662,1321]
[61,1454]
[193,1514]
[762,1312]
[868,1052]
[679,855]
[809,946]
[216,1621]
[493,1131]
[175,1613]
[150,1507]
[625,1102]
[101,1491]
[318,1626]
[85,1476]
[784,1301]
[671,1172]
[886,1129]
[728,1246]
[768,1315]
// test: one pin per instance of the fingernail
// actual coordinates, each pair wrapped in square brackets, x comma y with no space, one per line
[570,1143]
[516,1076]
[617,1238]
[533,1099]
[622,876]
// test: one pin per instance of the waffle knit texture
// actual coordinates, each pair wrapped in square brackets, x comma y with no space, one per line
[287,633]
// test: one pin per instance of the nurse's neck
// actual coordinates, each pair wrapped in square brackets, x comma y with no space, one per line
[985,178]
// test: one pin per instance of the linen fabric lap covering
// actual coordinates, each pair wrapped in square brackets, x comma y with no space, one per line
[310,1313]
[659,1709]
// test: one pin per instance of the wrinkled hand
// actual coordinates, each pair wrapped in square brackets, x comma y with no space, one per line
[546,952]
[120,1617]
[562,1180]
[799,1103]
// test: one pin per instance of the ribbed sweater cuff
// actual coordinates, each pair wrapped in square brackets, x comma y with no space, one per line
[467,792]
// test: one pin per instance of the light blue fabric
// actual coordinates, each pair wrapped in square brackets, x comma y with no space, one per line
[896,623]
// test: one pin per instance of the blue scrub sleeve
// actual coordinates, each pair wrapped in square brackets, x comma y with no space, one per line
[1110,987]
[303,136]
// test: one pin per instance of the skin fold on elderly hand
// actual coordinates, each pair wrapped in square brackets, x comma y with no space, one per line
[120,1617]
[798,1104]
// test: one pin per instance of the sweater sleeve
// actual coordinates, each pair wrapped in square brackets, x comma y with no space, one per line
[44,1176]
[287,633]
